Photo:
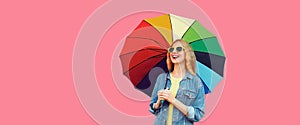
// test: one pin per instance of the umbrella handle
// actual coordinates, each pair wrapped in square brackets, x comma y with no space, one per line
[162,101]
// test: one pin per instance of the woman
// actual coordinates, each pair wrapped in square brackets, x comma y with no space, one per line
[178,96]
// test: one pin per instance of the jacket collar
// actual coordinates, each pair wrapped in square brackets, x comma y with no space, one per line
[187,75]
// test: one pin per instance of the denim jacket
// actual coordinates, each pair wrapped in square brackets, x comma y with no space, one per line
[190,93]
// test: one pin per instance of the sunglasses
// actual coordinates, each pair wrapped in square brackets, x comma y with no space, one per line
[178,49]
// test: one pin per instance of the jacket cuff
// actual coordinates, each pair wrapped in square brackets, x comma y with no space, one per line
[191,112]
[152,110]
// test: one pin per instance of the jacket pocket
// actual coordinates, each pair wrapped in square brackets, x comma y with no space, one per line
[190,94]
[186,96]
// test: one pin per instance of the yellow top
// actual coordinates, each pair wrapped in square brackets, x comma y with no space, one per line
[174,88]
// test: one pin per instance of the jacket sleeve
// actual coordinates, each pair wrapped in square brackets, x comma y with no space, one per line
[196,111]
[154,96]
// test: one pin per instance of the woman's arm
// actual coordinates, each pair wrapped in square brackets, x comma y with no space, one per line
[194,112]
[167,95]
[180,106]
[155,100]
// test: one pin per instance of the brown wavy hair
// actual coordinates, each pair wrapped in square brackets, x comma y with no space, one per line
[190,59]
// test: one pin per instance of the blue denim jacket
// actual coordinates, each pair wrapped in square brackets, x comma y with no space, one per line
[190,93]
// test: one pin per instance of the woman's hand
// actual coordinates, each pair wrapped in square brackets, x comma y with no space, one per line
[160,96]
[167,95]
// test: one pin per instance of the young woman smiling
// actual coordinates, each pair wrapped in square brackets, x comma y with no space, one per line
[178,96]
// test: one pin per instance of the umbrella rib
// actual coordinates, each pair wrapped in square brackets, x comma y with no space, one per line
[171,26]
[198,34]
[188,29]
[149,39]
[201,39]
[212,61]
[156,56]
[157,50]
[159,32]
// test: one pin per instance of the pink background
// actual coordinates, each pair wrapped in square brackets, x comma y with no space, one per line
[259,38]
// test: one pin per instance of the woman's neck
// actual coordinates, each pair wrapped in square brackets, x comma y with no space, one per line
[179,70]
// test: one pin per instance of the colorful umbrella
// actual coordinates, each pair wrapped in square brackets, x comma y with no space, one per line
[143,55]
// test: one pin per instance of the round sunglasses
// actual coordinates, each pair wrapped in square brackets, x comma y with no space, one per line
[178,49]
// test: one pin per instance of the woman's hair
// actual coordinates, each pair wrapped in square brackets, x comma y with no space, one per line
[190,59]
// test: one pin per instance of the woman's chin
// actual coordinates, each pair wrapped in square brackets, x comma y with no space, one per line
[176,61]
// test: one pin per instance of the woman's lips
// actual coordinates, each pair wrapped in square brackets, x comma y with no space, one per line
[174,56]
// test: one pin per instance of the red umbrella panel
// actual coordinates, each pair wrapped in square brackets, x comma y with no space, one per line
[144,50]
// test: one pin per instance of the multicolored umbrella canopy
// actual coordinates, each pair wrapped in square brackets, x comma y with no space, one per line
[143,55]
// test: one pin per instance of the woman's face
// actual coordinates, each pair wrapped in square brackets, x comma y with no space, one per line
[177,53]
